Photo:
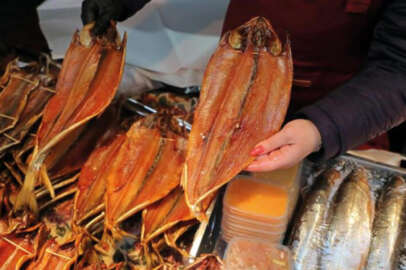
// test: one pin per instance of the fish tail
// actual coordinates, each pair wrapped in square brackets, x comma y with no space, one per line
[26,199]
[47,181]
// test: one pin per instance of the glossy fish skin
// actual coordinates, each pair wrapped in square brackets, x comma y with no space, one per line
[309,232]
[14,96]
[54,257]
[387,226]
[87,83]
[164,214]
[32,111]
[17,249]
[244,98]
[350,225]
[10,254]
[149,158]
[89,199]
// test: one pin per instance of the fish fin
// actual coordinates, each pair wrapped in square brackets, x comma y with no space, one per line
[26,199]
[46,181]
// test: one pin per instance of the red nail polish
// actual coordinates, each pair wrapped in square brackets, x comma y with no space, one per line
[258,150]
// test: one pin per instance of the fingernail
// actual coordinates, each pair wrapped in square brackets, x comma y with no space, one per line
[258,150]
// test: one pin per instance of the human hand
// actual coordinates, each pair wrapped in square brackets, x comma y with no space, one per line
[101,12]
[296,140]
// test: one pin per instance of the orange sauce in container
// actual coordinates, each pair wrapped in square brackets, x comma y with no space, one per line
[256,198]
[289,179]
[243,254]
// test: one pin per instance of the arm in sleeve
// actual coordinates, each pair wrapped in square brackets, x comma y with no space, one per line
[374,100]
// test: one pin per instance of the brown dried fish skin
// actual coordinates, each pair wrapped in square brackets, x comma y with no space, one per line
[86,85]
[350,224]
[149,158]
[14,97]
[244,98]
[387,226]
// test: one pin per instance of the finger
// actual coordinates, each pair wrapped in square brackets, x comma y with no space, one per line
[284,157]
[274,142]
[89,11]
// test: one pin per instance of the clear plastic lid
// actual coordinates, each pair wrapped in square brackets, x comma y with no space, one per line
[248,253]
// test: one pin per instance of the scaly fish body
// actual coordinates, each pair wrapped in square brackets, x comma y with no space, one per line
[387,226]
[350,225]
[309,231]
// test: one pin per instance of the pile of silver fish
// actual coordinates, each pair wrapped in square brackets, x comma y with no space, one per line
[346,222]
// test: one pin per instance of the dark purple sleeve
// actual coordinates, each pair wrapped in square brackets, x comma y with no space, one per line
[374,100]
[131,7]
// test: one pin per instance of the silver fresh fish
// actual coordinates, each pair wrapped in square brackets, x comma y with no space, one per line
[309,230]
[350,224]
[387,226]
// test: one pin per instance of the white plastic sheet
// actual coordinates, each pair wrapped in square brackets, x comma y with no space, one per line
[168,40]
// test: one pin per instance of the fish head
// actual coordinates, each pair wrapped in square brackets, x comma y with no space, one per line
[256,34]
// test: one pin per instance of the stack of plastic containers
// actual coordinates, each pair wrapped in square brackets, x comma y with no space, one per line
[256,209]
[243,254]
[289,179]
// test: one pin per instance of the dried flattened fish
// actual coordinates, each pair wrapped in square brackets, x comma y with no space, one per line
[89,199]
[165,214]
[87,83]
[16,249]
[14,96]
[72,153]
[37,100]
[54,257]
[146,168]
[387,226]
[244,98]
[350,224]
[173,234]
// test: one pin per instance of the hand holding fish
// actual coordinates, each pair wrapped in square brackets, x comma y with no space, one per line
[296,140]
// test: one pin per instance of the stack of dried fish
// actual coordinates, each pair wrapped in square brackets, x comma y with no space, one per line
[26,91]
[129,207]
[87,83]
[338,226]
[86,72]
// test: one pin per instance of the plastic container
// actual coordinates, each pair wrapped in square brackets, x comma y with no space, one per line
[289,179]
[252,224]
[246,253]
[254,219]
[256,199]
[230,232]
[254,208]
[248,227]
